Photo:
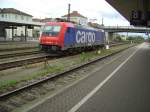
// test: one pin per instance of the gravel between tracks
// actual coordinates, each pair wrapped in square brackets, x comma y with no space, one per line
[18,51]
[17,58]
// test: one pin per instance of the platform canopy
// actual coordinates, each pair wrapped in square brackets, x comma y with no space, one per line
[135,11]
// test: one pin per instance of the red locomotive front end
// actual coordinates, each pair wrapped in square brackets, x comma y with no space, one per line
[52,36]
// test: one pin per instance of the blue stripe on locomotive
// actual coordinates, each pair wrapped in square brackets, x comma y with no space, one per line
[75,37]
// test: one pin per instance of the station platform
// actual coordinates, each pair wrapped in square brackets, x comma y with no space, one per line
[5,45]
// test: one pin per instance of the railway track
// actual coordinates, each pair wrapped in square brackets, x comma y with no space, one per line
[10,55]
[18,48]
[30,60]
[38,83]
[39,57]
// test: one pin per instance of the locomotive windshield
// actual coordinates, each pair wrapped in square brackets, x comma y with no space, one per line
[51,30]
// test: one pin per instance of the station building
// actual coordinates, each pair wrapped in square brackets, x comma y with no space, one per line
[77,18]
[15,24]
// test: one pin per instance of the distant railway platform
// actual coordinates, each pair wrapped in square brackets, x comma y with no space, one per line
[17,45]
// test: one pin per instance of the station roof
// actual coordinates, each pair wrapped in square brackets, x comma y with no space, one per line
[12,23]
[14,11]
[135,11]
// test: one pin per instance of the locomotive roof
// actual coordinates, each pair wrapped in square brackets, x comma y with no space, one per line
[69,24]
[60,23]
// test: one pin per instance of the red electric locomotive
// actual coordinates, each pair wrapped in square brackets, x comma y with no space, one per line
[60,36]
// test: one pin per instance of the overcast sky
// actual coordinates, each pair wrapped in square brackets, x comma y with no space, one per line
[93,9]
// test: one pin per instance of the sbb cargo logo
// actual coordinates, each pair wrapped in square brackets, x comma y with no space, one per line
[85,37]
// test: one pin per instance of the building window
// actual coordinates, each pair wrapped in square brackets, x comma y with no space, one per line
[22,17]
[5,15]
[27,18]
[9,16]
[2,15]
[16,16]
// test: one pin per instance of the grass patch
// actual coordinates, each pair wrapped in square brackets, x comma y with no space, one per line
[43,72]
[90,55]
[7,83]
[101,52]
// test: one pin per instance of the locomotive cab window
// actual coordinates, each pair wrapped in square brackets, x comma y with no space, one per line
[51,30]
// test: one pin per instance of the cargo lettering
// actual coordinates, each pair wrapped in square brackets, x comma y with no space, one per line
[85,37]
